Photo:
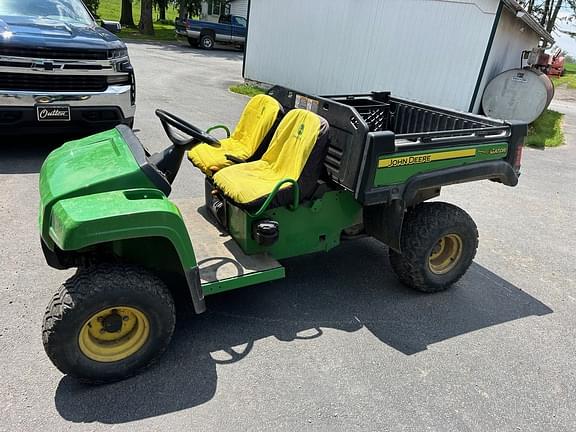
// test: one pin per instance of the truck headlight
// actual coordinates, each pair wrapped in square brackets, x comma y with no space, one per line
[117,53]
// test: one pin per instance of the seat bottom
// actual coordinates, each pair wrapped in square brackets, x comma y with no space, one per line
[257,180]
[212,159]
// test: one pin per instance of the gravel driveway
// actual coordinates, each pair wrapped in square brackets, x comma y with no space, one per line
[339,344]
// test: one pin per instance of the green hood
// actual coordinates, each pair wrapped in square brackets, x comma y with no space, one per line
[99,163]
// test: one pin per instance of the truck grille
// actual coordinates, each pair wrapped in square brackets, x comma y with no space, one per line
[51,53]
[52,83]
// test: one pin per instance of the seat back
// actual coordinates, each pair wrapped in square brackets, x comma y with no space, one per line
[298,149]
[256,122]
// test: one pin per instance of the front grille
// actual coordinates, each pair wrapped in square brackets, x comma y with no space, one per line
[52,83]
[54,53]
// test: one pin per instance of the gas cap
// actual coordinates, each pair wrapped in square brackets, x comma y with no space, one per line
[266,232]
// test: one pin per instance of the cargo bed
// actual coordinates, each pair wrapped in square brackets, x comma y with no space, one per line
[367,130]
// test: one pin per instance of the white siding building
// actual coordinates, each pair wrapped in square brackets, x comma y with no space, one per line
[437,51]
[213,9]
[239,8]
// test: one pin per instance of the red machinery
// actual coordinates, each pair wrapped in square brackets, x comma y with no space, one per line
[552,64]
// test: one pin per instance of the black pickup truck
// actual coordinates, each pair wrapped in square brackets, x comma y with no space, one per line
[60,71]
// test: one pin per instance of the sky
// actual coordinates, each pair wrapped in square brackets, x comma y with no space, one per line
[564,41]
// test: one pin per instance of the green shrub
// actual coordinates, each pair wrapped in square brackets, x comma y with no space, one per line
[247,89]
[546,131]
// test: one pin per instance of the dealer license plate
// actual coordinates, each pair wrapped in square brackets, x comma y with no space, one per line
[53,113]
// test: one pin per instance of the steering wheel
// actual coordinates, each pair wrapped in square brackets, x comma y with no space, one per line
[170,121]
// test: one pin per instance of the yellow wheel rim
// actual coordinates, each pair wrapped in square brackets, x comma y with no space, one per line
[445,254]
[114,334]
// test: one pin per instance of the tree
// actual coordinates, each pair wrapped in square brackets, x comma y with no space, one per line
[548,11]
[161,5]
[92,6]
[146,24]
[188,8]
[126,16]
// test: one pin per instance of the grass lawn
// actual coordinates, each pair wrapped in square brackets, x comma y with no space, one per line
[247,89]
[164,32]
[569,77]
[110,10]
[546,131]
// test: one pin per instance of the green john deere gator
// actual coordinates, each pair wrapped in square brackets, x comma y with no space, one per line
[298,175]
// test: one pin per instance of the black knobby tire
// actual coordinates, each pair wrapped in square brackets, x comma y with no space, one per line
[193,42]
[424,226]
[91,290]
[207,42]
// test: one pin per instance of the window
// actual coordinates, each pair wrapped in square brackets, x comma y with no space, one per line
[239,21]
[216,7]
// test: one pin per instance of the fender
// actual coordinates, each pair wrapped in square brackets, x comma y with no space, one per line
[498,170]
[384,221]
[76,224]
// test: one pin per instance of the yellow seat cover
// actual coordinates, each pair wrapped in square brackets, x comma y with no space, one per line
[285,159]
[256,121]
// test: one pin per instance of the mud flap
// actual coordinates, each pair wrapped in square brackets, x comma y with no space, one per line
[384,222]
[193,279]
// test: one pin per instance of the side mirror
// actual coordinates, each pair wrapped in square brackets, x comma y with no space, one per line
[112,26]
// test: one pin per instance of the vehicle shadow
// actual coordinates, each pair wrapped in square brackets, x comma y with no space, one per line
[226,52]
[320,292]
[26,154]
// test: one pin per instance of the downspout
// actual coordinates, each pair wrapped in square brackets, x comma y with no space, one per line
[246,41]
[486,56]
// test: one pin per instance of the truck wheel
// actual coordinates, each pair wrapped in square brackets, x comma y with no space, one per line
[207,42]
[439,242]
[107,323]
[193,42]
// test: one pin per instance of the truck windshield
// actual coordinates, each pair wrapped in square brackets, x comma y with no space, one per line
[70,11]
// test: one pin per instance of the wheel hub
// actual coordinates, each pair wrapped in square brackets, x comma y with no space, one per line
[113,322]
[445,254]
[114,334]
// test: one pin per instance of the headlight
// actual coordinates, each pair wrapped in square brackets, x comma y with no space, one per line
[118,53]
[125,67]
[56,225]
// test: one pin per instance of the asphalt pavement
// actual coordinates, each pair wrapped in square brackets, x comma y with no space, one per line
[338,345]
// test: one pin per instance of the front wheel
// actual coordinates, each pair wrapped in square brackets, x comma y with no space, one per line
[439,242]
[193,42]
[107,323]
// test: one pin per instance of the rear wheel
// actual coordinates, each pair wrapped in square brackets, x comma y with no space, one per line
[439,242]
[207,42]
[107,323]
